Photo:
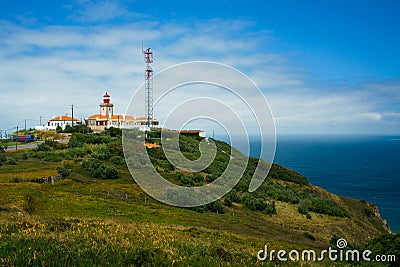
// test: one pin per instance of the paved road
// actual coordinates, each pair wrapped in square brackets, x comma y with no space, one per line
[22,146]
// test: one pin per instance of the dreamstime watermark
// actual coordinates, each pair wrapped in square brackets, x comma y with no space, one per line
[206,92]
[340,253]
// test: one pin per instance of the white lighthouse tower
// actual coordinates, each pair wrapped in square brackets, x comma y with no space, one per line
[106,108]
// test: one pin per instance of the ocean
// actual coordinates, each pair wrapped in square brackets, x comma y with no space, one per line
[361,167]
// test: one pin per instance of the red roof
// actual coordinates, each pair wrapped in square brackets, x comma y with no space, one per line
[114,117]
[98,116]
[150,145]
[106,95]
[63,118]
[143,119]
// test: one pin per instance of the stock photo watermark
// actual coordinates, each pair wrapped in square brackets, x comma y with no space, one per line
[340,253]
[209,92]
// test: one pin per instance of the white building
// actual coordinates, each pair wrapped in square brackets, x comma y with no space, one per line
[61,121]
[106,118]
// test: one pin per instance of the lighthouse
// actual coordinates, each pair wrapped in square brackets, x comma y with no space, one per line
[106,108]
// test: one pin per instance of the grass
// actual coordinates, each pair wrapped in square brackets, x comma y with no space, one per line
[85,221]
[70,242]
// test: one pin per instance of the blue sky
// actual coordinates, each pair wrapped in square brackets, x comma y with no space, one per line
[324,66]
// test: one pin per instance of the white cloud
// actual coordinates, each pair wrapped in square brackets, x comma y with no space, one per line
[46,69]
[99,11]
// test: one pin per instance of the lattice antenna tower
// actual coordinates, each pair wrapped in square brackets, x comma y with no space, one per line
[148,74]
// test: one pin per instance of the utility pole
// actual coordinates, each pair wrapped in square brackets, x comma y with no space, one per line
[72,112]
[25,132]
[40,120]
[16,141]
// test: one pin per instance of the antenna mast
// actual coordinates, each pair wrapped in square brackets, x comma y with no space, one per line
[148,74]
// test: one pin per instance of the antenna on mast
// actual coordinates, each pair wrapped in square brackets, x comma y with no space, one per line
[148,74]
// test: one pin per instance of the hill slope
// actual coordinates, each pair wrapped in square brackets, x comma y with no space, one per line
[58,203]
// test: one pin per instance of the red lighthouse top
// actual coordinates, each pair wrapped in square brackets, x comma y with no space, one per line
[106,98]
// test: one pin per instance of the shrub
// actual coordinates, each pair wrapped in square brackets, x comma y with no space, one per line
[109,172]
[228,201]
[63,171]
[11,161]
[309,236]
[385,244]
[184,180]
[327,206]
[303,207]
[115,148]
[7,160]
[3,148]
[258,204]
[74,144]
[77,128]
[24,156]
[281,173]
[117,160]
[54,157]
[51,143]
[102,153]
[113,132]
[42,147]
[197,178]
[216,207]
[97,169]
[77,152]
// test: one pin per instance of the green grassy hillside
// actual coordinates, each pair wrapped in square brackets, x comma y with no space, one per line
[76,204]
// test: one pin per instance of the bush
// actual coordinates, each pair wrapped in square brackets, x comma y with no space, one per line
[63,171]
[303,207]
[3,148]
[74,144]
[78,152]
[24,156]
[54,157]
[117,160]
[327,206]
[94,139]
[228,201]
[7,160]
[216,207]
[184,180]
[109,172]
[258,204]
[113,132]
[42,147]
[309,236]
[385,244]
[103,153]
[11,161]
[97,169]
[281,173]
[51,143]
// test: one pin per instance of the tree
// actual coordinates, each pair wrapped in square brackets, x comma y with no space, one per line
[3,148]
